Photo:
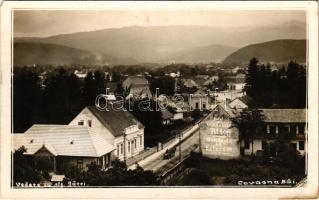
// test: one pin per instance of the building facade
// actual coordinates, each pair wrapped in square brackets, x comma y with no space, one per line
[287,124]
[120,128]
[200,100]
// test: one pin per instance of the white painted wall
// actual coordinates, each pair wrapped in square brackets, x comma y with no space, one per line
[134,136]
[98,127]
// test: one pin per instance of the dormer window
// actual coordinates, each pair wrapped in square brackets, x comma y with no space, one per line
[72,142]
[31,141]
[81,123]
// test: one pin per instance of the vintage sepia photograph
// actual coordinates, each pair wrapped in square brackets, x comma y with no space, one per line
[162,98]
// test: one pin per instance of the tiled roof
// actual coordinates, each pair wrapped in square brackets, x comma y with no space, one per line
[62,140]
[115,121]
[285,115]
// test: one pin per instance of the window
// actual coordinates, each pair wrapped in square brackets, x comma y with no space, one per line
[81,123]
[128,146]
[118,150]
[268,129]
[247,144]
[301,145]
[277,129]
[301,129]
[135,143]
[132,145]
[90,123]
[263,145]
[272,130]
[121,148]
[79,164]
[204,106]
[196,105]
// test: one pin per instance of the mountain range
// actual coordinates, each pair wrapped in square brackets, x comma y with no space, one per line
[137,44]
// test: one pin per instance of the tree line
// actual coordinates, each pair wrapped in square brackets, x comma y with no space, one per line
[281,88]
[55,99]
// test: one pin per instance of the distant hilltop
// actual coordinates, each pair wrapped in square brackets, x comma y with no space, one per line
[279,51]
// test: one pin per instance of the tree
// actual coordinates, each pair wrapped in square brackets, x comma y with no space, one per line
[151,115]
[249,123]
[195,177]
[279,88]
[27,98]
[94,84]
[62,97]
[23,168]
[165,84]
[252,78]
[89,89]
[117,175]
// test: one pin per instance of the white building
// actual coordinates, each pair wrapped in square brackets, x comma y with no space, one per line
[290,124]
[119,128]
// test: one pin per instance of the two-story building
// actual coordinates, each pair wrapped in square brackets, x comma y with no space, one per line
[119,128]
[289,124]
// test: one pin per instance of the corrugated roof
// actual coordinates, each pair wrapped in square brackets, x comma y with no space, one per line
[285,115]
[115,121]
[63,140]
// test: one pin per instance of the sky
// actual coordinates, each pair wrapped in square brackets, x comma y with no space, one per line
[43,23]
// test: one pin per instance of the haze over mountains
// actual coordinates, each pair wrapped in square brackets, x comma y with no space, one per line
[189,44]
